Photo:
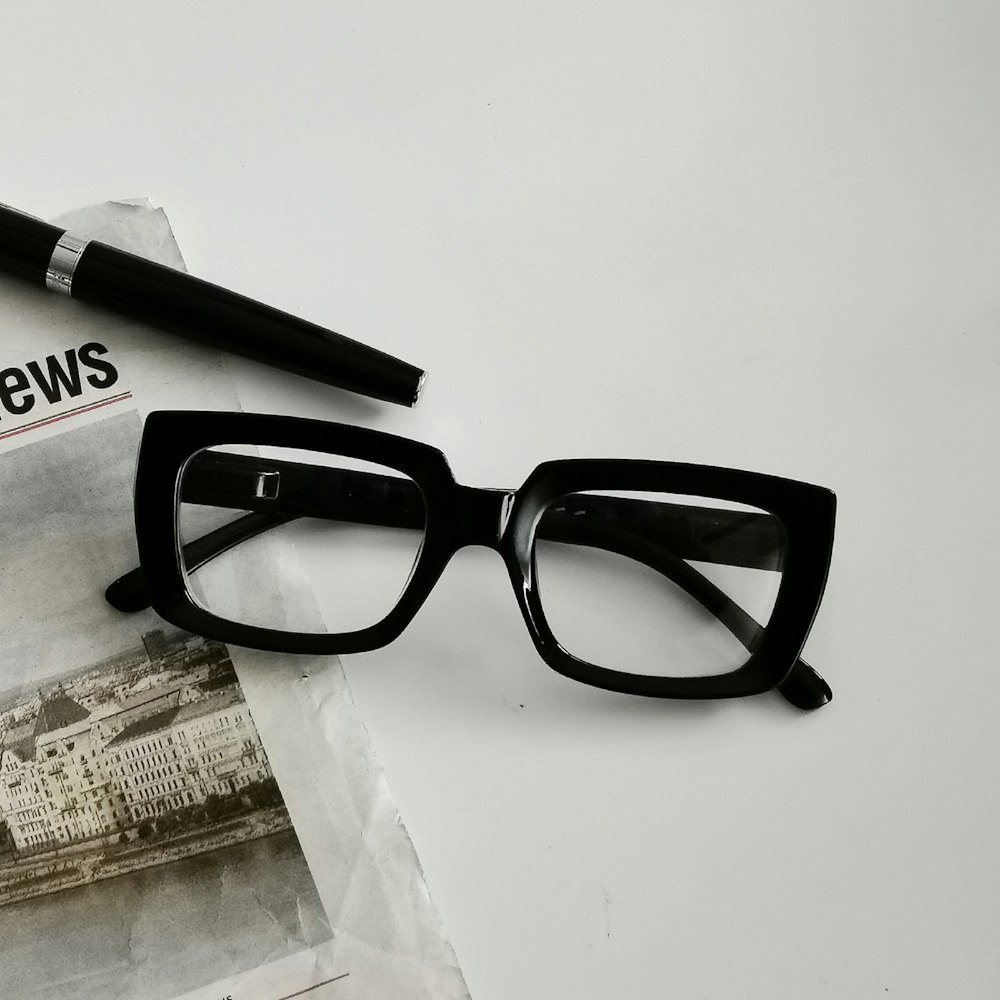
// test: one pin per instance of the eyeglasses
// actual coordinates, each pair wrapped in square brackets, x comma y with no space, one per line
[644,577]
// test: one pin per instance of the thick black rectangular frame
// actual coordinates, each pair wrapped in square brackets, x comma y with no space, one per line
[506,521]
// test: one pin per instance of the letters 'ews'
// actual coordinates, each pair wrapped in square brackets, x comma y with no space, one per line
[55,378]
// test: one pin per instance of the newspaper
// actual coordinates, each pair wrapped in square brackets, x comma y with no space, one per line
[178,819]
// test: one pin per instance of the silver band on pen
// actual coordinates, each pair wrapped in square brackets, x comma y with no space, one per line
[65,256]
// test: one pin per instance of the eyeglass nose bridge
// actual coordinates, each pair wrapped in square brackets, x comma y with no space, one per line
[484,516]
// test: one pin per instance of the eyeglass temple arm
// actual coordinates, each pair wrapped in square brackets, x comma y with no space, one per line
[707,534]
[129,593]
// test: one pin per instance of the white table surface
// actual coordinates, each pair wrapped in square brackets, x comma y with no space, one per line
[761,235]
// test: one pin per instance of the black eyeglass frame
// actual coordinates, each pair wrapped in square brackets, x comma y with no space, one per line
[505,521]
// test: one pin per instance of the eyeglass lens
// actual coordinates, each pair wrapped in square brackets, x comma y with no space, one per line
[286,505]
[649,583]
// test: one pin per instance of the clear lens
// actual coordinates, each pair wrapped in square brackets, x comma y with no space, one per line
[253,521]
[658,584]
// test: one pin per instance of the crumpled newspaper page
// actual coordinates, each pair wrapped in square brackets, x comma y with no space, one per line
[178,818]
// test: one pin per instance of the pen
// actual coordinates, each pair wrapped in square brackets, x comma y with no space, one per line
[172,300]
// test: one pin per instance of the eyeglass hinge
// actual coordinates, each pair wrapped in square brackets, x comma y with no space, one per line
[266,487]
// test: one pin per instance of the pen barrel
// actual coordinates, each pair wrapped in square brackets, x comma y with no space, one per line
[26,244]
[209,314]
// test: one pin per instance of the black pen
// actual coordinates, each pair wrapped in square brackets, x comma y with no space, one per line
[170,299]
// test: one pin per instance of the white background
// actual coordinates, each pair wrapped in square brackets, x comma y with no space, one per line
[757,234]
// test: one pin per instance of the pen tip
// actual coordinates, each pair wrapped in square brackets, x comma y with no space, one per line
[420,386]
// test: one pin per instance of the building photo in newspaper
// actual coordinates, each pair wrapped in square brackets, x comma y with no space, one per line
[145,847]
